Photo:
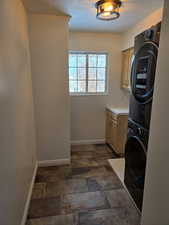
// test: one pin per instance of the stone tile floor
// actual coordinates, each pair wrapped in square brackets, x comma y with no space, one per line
[87,192]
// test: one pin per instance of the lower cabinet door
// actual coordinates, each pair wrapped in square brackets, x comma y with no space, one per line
[114,126]
[108,127]
[116,131]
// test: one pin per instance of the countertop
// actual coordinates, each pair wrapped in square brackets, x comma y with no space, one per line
[118,111]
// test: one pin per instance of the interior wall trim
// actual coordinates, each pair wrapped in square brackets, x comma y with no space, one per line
[57,162]
[26,208]
[87,142]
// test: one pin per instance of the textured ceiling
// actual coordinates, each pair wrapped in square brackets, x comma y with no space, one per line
[83,13]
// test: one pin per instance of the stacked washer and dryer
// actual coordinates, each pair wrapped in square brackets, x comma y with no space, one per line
[142,86]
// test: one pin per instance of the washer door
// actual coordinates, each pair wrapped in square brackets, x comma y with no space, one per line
[143,72]
[135,154]
[135,165]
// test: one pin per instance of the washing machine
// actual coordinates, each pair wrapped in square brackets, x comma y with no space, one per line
[135,161]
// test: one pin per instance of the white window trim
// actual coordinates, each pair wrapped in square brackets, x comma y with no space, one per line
[77,94]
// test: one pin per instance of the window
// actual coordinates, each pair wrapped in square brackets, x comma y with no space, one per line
[87,73]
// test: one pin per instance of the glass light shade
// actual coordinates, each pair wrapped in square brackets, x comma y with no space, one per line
[108,9]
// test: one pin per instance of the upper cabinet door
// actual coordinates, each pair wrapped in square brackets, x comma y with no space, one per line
[127,59]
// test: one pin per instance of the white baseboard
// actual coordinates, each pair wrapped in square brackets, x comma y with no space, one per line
[87,142]
[57,162]
[25,213]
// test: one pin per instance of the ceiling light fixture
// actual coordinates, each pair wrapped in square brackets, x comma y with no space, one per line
[108,9]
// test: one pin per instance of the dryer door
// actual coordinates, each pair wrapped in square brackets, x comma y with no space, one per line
[143,72]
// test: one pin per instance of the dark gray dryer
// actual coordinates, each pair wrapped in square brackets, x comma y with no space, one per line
[143,75]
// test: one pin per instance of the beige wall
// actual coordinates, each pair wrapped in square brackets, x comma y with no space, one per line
[152,19]
[49,54]
[17,135]
[155,210]
[88,112]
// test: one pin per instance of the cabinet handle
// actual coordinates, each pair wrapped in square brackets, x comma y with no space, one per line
[114,122]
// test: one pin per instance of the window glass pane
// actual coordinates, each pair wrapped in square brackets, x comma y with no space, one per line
[72,73]
[81,60]
[101,74]
[72,60]
[81,86]
[92,60]
[81,73]
[101,61]
[91,86]
[92,73]
[87,66]
[100,86]
[73,86]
